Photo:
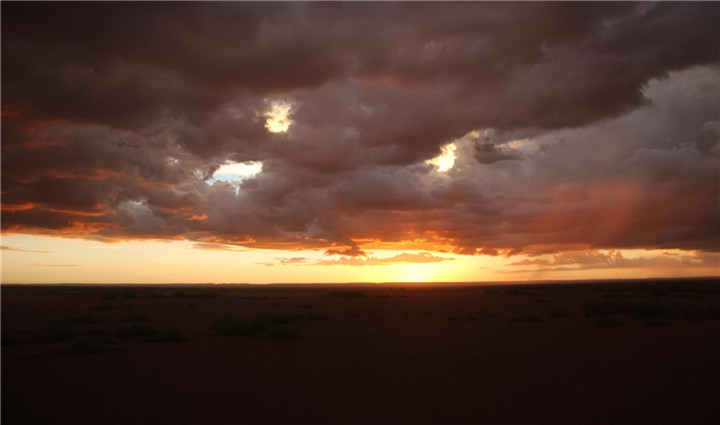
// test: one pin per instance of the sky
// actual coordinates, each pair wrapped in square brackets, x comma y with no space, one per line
[359,142]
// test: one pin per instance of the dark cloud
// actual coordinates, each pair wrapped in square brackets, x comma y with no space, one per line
[576,125]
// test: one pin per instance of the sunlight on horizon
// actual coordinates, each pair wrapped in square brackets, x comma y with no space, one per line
[45,259]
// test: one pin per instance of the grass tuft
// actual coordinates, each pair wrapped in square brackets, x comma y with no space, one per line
[695,313]
[348,294]
[264,326]
[86,319]
[135,331]
[655,323]
[81,345]
[527,319]
[277,332]
[169,335]
[142,295]
[194,295]
[559,312]
[609,322]
[134,318]
[53,332]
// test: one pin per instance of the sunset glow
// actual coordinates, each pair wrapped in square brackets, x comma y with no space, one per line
[251,142]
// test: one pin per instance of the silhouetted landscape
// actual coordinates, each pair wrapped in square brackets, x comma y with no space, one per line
[631,352]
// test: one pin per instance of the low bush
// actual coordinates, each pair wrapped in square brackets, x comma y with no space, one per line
[277,332]
[695,313]
[609,322]
[142,294]
[134,318]
[135,331]
[311,316]
[527,319]
[53,332]
[81,344]
[86,319]
[348,294]
[655,323]
[264,326]
[194,295]
[105,307]
[559,312]
[244,326]
[169,335]
[645,310]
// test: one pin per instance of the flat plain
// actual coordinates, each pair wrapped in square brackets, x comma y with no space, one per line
[633,352]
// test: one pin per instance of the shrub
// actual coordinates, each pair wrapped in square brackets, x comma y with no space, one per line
[194,295]
[169,335]
[243,326]
[8,339]
[277,332]
[609,322]
[80,345]
[53,332]
[86,319]
[646,310]
[312,316]
[134,318]
[650,310]
[142,294]
[105,307]
[263,326]
[348,294]
[655,323]
[559,312]
[135,331]
[527,319]
[694,313]
[601,308]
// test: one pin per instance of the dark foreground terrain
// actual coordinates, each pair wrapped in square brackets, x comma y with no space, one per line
[591,353]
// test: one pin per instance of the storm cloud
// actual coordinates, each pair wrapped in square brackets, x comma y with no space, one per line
[574,126]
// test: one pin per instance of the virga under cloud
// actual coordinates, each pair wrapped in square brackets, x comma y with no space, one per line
[572,126]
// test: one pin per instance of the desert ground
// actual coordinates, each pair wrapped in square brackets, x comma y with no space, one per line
[634,352]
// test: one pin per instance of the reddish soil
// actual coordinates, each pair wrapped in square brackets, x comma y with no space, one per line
[392,355]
